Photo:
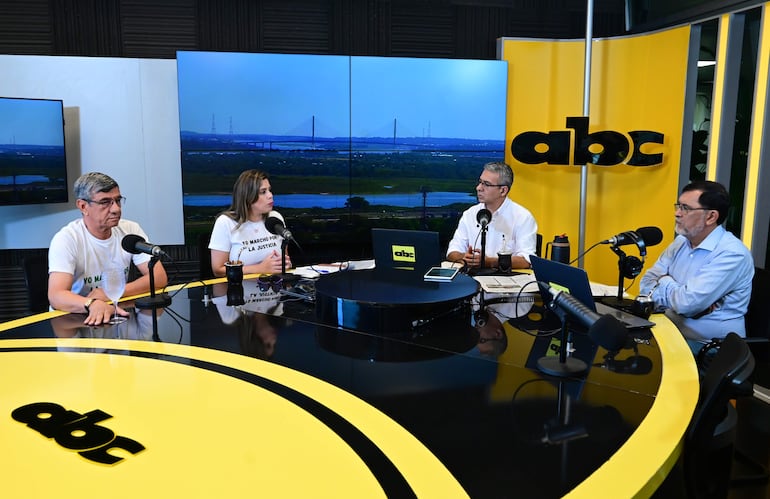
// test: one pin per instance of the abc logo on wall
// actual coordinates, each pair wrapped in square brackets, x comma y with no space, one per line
[603,148]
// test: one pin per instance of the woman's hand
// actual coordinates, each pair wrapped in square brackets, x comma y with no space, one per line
[270,265]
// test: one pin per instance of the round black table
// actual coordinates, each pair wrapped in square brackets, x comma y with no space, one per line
[391,302]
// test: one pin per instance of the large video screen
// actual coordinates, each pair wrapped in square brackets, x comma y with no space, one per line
[33,164]
[350,143]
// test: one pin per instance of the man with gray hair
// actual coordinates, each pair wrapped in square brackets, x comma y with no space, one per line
[511,228]
[82,249]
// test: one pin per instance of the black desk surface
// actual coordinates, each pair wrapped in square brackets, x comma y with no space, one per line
[496,426]
[394,287]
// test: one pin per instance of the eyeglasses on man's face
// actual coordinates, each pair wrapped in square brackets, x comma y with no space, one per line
[106,202]
[486,183]
[687,209]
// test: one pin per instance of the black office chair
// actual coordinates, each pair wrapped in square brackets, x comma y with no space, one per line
[709,442]
[36,280]
[539,245]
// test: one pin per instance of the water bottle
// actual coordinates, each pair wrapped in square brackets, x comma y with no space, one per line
[559,249]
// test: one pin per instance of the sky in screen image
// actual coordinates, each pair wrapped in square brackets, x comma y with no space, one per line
[280,94]
[31,122]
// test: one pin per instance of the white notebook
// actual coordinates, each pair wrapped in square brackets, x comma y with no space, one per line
[507,283]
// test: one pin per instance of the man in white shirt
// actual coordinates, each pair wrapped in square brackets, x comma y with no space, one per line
[511,227]
[82,249]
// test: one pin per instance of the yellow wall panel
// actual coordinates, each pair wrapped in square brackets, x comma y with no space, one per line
[637,83]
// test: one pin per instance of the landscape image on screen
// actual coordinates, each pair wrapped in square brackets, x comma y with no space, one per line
[33,165]
[350,143]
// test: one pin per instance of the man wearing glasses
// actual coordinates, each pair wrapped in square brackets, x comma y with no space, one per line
[82,249]
[511,228]
[703,278]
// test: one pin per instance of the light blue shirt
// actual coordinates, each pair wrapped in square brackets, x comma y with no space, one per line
[687,281]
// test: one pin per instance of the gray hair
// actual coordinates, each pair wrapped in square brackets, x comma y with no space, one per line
[90,183]
[504,172]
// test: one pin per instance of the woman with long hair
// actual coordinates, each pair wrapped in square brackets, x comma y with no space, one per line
[240,234]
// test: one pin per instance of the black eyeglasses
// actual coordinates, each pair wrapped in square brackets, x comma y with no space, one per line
[107,202]
[688,209]
[489,184]
[274,282]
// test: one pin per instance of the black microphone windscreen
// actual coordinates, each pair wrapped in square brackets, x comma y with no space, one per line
[484,216]
[650,235]
[129,243]
[271,223]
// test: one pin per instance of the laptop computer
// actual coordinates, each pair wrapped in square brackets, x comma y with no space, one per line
[409,250]
[575,281]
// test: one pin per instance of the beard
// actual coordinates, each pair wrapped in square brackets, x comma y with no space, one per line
[689,232]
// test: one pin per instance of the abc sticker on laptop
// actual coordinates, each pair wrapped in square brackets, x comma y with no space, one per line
[403,253]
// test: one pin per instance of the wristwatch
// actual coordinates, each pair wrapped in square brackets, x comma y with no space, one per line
[87,304]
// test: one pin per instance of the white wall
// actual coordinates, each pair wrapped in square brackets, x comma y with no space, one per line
[121,118]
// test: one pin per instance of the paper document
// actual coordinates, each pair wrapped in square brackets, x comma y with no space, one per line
[598,289]
[359,264]
[506,283]
[319,269]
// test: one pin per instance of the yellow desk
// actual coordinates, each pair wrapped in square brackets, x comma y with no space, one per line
[215,421]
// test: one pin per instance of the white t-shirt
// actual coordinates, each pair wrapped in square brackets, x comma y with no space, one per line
[253,237]
[511,223]
[75,251]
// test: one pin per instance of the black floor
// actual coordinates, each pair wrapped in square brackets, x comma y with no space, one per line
[753,441]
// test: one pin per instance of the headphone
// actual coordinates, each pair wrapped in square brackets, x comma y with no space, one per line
[631,266]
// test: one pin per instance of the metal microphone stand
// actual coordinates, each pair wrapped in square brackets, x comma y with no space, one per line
[483,270]
[563,365]
[153,302]
[286,277]
[483,245]
[619,301]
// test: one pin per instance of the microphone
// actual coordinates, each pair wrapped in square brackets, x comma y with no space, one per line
[605,330]
[642,237]
[136,244]
[483,217]
[276,225]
